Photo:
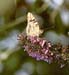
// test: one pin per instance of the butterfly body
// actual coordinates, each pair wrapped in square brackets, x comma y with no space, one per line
[33,28]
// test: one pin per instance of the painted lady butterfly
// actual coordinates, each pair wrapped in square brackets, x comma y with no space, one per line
[33,28]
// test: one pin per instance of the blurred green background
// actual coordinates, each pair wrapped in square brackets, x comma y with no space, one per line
[13,60]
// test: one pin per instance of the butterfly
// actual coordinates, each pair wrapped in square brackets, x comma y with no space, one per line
[33,28]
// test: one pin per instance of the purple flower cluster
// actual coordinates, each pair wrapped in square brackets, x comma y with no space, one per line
[38,48]
[41,49]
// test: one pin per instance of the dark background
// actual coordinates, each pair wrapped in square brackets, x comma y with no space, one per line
[55,19]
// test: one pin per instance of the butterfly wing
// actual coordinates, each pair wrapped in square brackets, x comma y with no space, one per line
[32,28]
